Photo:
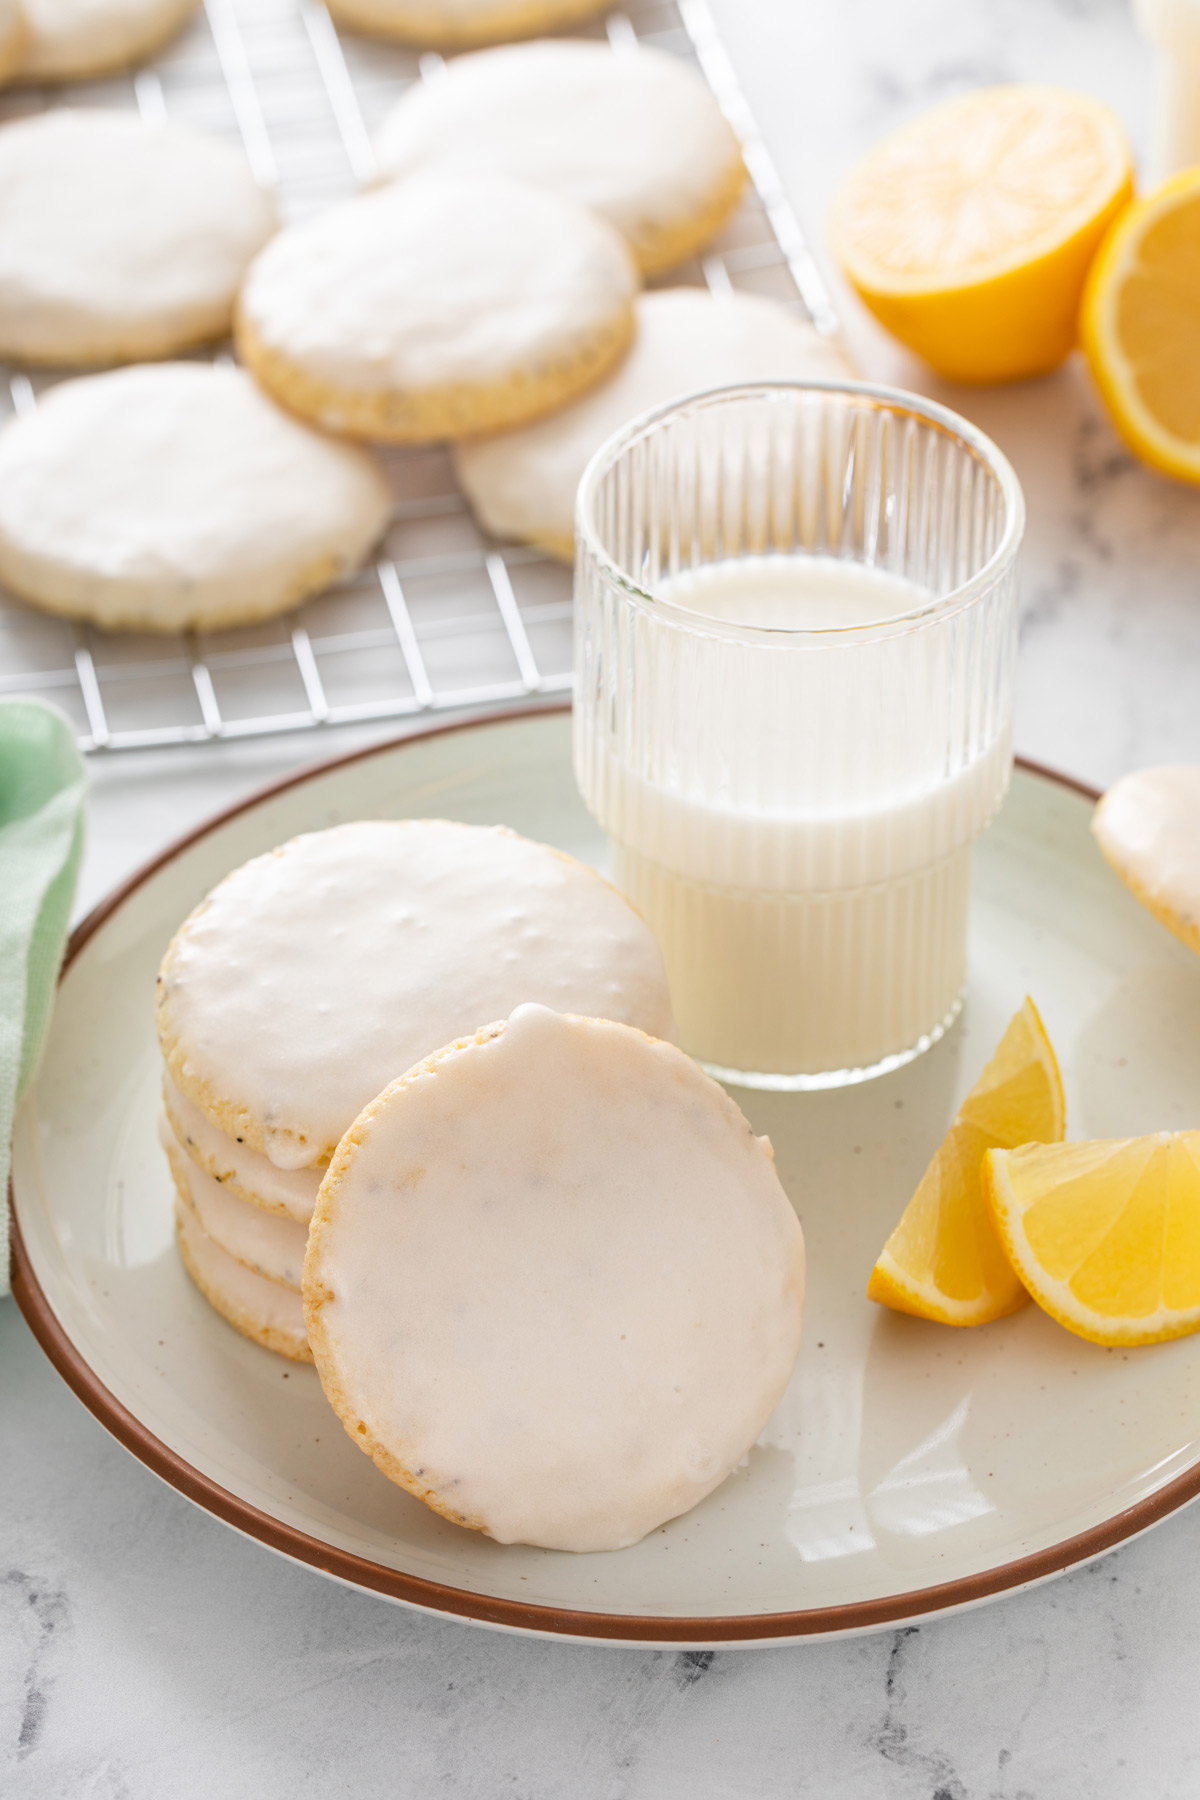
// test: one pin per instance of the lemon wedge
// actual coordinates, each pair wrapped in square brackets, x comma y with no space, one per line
[1105,1235]
[1140,326]
[944,1260]
[970,232]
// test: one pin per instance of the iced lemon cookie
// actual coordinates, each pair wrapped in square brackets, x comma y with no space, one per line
[313,975]
[460,24]
[523,483]
[14,36]
[73,39]
[260,1309]
[1148,826]
[638,138]
[177,496]
[553,1285]
[120,239]
[436,307]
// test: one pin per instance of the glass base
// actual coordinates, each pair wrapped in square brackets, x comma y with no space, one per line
[834,1078]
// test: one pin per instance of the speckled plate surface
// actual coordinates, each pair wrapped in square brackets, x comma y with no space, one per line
[910,1470]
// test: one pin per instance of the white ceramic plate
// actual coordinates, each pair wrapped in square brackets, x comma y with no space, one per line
[911,1469]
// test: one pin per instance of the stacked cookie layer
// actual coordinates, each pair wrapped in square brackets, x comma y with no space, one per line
[313,976]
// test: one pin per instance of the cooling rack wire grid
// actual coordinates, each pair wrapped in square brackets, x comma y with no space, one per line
[447,618]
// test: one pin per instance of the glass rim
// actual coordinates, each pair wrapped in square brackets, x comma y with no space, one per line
[896,400]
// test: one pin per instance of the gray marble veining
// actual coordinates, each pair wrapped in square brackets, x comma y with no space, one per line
[146,1653]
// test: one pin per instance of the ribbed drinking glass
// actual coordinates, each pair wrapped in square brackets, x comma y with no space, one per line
[796,618]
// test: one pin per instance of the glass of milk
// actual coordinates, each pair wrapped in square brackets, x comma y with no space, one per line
[796,621]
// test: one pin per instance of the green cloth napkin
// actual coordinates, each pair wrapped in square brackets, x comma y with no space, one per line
[41,839]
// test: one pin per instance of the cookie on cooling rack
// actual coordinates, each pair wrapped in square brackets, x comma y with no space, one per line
[370,944]
[14,37]
[439,306]
[120,240]
[272,1247]
[522,484]
[460,24]
[71,40]
[553,1286]
[260,1309]
[638,138]
[176,495]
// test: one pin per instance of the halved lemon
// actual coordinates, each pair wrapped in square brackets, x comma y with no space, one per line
[944,1260]
[1140,326]
[1105,1235]
[970,232]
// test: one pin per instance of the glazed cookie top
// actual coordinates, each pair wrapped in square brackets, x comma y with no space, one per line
[1148,826]
[638,138]
[553,1284]
[86,37]
[437,283]
[523,483]
[314,975]
[176,494]
[118,238]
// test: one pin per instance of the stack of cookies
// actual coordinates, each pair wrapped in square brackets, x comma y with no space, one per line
[313,976]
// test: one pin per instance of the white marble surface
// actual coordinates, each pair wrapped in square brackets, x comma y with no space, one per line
[147,1653]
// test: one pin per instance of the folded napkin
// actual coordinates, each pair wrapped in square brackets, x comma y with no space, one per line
[41,838]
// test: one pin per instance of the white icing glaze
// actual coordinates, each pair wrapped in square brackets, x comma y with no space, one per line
[438,282]
[1148,827]
[270,1245]
[640,139]
[557,1278]
[84,37]
[120,239]
[14,36]
[314,975]
[249,1301]
[522,483]
[177,494]
[254,1178]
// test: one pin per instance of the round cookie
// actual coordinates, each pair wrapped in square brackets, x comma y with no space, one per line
[120,239]
[246,1174]
[1148,826]
[260,1309]
[436,307]
[314,975]
[460,24]
[553,1285]
[71,40]
[522,484]
[14,37]
[638,138]
[271,1247]
[176,496]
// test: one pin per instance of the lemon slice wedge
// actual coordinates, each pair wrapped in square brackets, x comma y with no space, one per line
[970,232]
[1140,326]
[1105,1235]
[944,1260]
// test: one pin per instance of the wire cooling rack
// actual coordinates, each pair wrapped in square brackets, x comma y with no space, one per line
[447,618]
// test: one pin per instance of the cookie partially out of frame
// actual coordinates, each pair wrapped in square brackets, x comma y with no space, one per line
[460,24]
[120,240]
[638,138]
[71,40]
[553,1286]
[271,1315]
[436,307]
[14,37]
[172,496]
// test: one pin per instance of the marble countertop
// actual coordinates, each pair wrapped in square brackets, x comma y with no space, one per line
[148,1653]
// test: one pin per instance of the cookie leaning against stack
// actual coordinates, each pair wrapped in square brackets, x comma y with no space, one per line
[553,1285]
[436,307]
[314,975]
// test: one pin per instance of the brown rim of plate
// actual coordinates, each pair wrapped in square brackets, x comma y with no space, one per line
[520,1615]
